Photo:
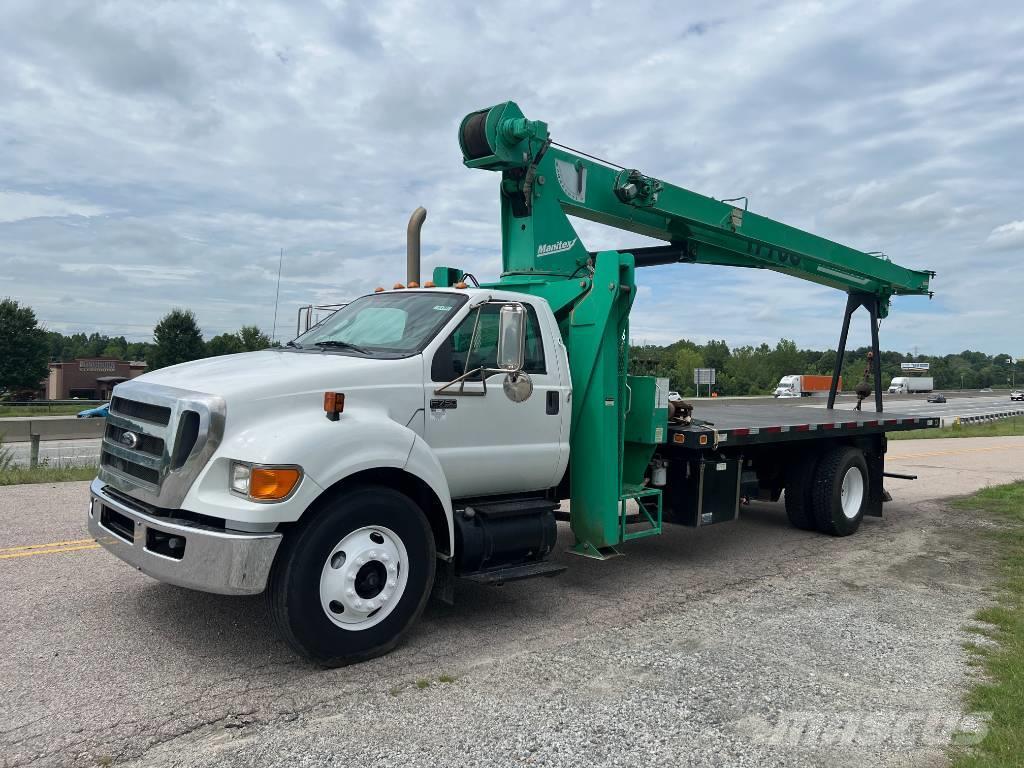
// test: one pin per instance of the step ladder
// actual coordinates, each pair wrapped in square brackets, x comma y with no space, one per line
[648,502]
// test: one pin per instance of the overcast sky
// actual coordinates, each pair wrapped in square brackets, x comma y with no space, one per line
[155,155]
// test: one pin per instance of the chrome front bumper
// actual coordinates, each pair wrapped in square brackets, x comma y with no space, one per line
[225,562]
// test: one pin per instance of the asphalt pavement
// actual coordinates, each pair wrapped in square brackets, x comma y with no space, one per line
[746,643]
[975,405]
[59,453]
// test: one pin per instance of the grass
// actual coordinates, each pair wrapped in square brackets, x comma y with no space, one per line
[421,684]
[42,410]
[45,474]
[6,456]
[1002,690]
[11,474]
[1003,428]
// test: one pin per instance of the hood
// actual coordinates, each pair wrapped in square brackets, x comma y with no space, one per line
[272,373]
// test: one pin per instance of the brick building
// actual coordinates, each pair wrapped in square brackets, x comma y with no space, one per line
[90,378]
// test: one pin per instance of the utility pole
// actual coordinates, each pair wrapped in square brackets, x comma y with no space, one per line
[277,295]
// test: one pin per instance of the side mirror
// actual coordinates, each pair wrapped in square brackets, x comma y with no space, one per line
[511,338]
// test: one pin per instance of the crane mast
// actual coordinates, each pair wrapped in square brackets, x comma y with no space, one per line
[618,420]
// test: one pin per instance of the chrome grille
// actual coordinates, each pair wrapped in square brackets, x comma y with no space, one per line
[173,434]
[150,444]
[146,411]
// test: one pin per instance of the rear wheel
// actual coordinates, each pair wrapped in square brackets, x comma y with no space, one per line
[348,585]
[840,491]
[799,492]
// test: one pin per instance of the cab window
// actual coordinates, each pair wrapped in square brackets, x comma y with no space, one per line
[450,360]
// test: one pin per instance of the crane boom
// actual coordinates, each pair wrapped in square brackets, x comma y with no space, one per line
[543,183]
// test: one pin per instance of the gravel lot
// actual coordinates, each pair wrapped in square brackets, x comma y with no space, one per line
[743,644]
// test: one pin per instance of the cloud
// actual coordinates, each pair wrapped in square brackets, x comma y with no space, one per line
[162,155]
[1007,236]
[15,206]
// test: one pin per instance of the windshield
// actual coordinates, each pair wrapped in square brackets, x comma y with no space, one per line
[391,324]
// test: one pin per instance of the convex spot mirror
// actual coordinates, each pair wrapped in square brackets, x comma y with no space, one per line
[517,386]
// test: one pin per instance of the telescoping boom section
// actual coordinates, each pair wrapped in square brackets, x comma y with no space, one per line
[619,420]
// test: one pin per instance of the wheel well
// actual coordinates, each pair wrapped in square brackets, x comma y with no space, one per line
[410,485]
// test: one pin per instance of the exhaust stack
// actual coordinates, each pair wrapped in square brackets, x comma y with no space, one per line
[412,246]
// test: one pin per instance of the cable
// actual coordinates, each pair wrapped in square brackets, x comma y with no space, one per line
[592,157]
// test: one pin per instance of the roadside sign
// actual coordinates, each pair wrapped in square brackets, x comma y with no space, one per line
[703,376]
[915,366]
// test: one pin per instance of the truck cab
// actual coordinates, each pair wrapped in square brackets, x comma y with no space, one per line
[214,472]
[789,386]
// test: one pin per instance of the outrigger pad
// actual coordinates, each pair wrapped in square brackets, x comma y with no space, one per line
[586,549]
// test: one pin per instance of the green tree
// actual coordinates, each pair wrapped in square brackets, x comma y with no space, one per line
[253,338]
[116,348]
[176,340]
[716,354]
[225,344]
[786,359]
[137,350]
[24,348]
[686,360]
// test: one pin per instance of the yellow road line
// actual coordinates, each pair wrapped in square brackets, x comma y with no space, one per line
[893,456]
[32,552]
[4,550]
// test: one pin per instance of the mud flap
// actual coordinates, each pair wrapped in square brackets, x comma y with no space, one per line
[876,492]
[444,582]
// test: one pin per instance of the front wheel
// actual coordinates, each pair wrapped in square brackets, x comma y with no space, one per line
[348,585]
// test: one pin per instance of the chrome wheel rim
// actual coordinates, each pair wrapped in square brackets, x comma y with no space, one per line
[364,578]
[851,494]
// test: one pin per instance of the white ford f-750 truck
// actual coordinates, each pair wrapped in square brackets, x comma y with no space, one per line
[422,435]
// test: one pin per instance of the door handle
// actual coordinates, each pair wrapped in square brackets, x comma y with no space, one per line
[551,407]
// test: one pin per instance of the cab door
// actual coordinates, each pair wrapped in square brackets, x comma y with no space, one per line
[486,443]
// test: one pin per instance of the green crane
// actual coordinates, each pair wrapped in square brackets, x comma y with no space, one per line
[617,421]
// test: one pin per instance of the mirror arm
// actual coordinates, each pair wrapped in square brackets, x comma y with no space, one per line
[461,381]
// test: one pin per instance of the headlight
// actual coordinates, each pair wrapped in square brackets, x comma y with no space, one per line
[240,478]
[264,483]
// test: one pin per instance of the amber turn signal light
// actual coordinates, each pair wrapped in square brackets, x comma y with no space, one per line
[266,484]
[334,403]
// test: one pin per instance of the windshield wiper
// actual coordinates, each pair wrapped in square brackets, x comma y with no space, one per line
[293,344]
[341,345]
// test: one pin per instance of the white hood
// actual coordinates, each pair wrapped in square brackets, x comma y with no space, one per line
[248,381]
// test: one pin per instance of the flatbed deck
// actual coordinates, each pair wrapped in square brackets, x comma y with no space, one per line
[738,423]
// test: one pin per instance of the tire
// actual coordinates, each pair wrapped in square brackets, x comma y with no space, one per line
[839,511]
[799,492]
[348,585]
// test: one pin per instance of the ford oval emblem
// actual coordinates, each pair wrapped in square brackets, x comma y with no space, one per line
[129,439]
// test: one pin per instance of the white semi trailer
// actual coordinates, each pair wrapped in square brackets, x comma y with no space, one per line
[905,385]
